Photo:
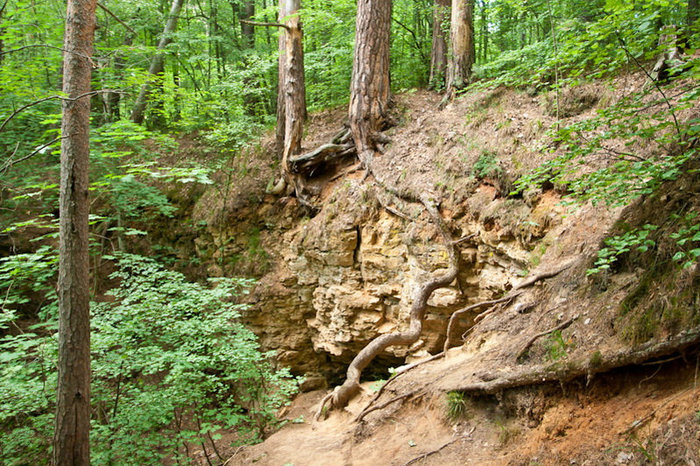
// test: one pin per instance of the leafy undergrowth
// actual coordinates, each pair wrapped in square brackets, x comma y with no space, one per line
[171,368]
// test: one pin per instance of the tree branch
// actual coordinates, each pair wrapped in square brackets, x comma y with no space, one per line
[18,49]
[268,25]
[106,10]
[10,163]
[45,99]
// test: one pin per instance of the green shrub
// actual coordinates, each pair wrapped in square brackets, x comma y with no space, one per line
[171,366]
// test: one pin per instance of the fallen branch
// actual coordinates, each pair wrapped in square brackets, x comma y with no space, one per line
[529,343]
[437,450]
[558,372]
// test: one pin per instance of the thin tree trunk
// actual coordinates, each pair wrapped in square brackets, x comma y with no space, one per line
[484,31]
[72,428]
[2,31]
[369,90]
[279,137]
[158,61]
[438,54]
[461,56]
[693,11]
[294,100]
[247,29]
[113,99]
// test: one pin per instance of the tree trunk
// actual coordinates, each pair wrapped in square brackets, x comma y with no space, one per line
[461,56]
[369,90]
[281,71]
[247,29]
[72,428]
[2,31]
[438,54]
[113,99]
[294,89]
[484,31]
[158,62]
[692,14]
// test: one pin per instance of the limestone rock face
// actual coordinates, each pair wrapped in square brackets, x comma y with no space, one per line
[345,276]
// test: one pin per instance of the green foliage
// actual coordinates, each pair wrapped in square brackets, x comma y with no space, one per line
[457,405]
[556,347]
[26,280]
[616,246]
[171,364]
[686,237]
[487,166]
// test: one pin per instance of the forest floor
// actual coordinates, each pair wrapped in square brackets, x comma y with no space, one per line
[646,413]
[639,416]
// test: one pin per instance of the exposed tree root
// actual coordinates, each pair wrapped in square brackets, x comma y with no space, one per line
[306,163]
[365,412]
[534,338]
[515,292]
[392,379]
[340,397]
[566,371]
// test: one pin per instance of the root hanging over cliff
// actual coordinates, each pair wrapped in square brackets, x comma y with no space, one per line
[342,394]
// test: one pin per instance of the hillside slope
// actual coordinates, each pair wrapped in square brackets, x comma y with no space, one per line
[569,369]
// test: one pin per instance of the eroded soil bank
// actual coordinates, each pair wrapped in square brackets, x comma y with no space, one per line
[575,369]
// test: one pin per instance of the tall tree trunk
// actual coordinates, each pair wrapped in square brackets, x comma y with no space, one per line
[484,31]
[158,61]
[438,54]
[113,99]
[281,72]
[370,91]
[693,11]
[2,31]
[247,29]
[72,429]
[461,56]
[294,88]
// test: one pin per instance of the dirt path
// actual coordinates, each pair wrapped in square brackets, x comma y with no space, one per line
[645,415]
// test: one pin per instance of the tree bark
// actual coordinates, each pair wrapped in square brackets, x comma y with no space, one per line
[294,89]
[281,64]
[72,428]
[438,53]
[461,56]
[370,91]
[158,61]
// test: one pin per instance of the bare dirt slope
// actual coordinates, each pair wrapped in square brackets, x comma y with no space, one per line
[628,417]
[571,370]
